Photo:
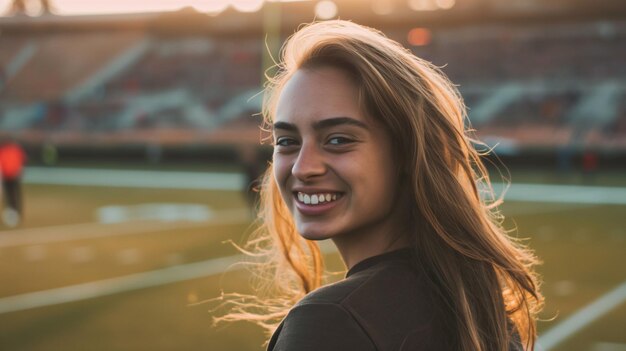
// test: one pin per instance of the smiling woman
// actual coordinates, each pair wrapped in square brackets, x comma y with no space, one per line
[371,151]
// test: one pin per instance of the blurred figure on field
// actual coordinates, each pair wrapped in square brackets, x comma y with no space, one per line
[564,155]
[589,165]
[12,159]
[253,166]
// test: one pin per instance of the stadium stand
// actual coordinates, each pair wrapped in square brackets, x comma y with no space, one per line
[533,85]
[564,51]
[61,63]
[537,86]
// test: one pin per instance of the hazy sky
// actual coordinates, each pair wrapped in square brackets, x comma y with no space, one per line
[82,7]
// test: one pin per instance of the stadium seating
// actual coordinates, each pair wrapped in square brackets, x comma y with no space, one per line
[534,85]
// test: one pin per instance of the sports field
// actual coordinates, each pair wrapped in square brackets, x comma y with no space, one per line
[120,261]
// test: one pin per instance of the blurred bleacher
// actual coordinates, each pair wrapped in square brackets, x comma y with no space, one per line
[530,85]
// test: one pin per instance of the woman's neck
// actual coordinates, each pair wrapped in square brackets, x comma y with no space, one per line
[361,244]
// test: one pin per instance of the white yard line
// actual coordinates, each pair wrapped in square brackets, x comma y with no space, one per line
[572,194]
[134,178]
[582,318]
[118,285]
[552,193]
[31,236]
[129,283]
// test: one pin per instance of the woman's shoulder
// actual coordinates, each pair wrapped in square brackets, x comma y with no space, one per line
[335,293]
[320,326]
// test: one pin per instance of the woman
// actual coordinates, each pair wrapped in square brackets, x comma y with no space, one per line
[370,151]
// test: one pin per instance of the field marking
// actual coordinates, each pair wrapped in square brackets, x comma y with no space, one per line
[582,318]
[134,178]
[30,236]
[130,282]
[552,193]
[118,285]
[572,194]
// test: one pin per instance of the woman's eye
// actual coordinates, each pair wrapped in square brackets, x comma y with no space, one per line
[284,142]
[339,141]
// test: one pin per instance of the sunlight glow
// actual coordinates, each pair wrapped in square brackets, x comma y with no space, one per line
[95,7]
[208,6]
[247,5]
[445,4]
[325,10]
[82,7]
[422,5]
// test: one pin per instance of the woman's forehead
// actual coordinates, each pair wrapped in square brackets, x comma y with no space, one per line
[312,94]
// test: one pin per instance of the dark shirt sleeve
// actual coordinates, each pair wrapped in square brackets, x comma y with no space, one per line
[314,327]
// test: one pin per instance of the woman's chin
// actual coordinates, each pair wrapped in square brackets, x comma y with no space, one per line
[310,233]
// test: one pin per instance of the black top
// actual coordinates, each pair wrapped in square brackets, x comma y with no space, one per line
[383,304]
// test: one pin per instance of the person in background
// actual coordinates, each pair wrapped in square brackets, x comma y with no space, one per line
[254,161]
[252,171]
[12,160]
[589,165]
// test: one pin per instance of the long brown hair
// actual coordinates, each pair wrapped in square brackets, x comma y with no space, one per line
[483,277]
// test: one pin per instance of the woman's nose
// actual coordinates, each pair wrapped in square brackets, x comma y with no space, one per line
[309,164]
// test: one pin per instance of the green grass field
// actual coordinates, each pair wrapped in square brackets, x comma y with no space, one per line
[61,244]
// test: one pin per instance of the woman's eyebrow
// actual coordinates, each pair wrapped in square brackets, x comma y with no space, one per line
[285,126]
[337,121]
[323,124]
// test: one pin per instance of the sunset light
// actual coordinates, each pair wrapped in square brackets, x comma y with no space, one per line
[325,10]
[92,7]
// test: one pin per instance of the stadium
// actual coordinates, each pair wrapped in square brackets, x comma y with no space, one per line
[142,132]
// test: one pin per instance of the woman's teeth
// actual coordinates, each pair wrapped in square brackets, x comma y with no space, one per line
[316,198]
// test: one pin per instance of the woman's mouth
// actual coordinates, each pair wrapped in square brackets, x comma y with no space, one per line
[315,199]
[315,204]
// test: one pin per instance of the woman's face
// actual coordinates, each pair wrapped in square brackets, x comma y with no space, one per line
[333,164]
